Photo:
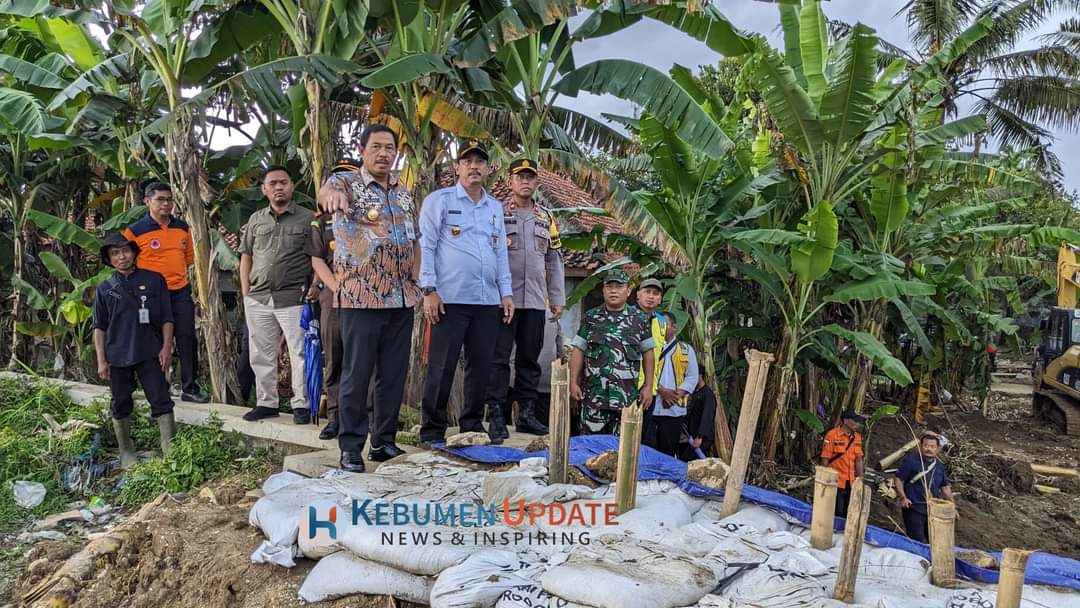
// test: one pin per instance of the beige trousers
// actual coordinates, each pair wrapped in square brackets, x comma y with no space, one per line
[265,325]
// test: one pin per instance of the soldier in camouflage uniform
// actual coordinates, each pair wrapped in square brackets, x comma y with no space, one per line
[613,345]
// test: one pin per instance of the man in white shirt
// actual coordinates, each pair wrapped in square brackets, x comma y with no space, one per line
[678,377]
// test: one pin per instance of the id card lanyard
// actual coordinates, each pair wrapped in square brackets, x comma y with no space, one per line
[144,312]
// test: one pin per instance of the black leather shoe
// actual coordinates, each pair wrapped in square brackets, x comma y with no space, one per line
[301,416]
[527,421]
[352,462]
[429,444]
[384,452]
[259,412]
[329,431]
[195,397]
[497,430]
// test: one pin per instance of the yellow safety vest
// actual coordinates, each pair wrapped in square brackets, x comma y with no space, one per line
[660,339]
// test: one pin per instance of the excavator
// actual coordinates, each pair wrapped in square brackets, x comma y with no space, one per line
[1056,395]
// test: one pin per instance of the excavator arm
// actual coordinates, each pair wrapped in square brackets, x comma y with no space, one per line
[1068,276]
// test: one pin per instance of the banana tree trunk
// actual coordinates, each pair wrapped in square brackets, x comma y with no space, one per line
[192,194]
[862,367]
[702,342]
[17,298]
[414,387]
[319,140]
[784,387]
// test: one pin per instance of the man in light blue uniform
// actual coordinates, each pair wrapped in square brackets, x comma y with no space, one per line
[465,278]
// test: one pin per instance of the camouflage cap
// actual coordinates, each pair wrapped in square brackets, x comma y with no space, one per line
[616,276]
[651,283]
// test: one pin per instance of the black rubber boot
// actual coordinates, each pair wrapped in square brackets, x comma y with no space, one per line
[497,430]
[527,421]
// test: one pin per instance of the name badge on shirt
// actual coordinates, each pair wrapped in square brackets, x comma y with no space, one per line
[410,232]
[144,313]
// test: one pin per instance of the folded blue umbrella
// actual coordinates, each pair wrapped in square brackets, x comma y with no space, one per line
[313,359]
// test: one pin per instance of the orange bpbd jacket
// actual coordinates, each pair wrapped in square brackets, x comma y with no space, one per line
[836,443]
[166,250]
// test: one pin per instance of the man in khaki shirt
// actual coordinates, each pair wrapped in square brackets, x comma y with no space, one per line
[274,275]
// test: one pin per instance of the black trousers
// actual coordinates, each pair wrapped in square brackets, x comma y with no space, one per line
[372,338]
[667,430]
[330,336]
[842,498]
[152,379]
[526,332]
[916,525]
[187,342]
[476,327]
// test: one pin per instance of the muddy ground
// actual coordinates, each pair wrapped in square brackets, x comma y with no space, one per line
[191,551]
[989,461]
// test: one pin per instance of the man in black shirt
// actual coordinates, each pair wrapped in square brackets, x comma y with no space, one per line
[700,417]
[133,336]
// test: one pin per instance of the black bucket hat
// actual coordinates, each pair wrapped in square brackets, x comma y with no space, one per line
[116,240]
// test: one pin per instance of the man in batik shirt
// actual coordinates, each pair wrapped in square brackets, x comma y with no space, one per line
[376,262]
[613,345]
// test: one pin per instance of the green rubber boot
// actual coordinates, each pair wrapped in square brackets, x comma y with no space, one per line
[122,427]
[167,429]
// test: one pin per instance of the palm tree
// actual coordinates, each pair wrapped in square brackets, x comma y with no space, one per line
[1024,93]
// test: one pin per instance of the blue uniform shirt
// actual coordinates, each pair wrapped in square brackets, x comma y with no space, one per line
[935,479]
[463,247]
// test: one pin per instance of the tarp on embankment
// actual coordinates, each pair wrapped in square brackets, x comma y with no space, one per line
[1042,569]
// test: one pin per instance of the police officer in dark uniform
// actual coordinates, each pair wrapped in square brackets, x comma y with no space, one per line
[133,336]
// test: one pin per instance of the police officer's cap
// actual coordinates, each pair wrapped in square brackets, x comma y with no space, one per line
[116,240]
[523,164]
[346,165]
[470,145]
[651,283]
[616,276]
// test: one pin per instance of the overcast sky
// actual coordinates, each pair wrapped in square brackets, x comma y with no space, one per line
[661,46]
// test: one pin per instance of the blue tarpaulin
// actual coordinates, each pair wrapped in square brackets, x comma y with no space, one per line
[1042,568]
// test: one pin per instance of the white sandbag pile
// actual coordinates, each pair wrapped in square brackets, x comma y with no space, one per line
[625,572]
[344,574]
[672,550]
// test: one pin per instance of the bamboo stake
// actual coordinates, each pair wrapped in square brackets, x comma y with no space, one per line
[1047,489]
[891,459]
[854,532]
[559,422]
[1011,578]
[629,447]
[824,514]
[1059,471]
[748,419]
[942,514]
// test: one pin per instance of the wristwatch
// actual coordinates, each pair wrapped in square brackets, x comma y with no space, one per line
[428,290]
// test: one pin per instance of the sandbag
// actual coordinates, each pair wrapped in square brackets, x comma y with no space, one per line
[277,481]
[759,518]
[533,596]
[483,578]
[343,574]
[652,518]
[278,516]
[625,572]
[427,550]
[892,564]
[521,485]
[772,586]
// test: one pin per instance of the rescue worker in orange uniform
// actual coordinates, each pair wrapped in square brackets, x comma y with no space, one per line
[843,453]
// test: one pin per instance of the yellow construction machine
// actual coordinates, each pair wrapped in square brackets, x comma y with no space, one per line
[1056,395]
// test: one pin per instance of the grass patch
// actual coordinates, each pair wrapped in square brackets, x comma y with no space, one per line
[199,454]
[29,452]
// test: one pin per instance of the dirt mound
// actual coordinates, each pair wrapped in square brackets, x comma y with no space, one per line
[191,551]
[538,444]
[604,465]
[989,462]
